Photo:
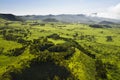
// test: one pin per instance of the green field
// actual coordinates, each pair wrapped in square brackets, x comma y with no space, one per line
[36,50]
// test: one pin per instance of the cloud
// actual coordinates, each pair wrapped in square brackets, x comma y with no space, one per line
[116,9]
[111,12]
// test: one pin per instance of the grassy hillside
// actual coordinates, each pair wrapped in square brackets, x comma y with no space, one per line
[35,50]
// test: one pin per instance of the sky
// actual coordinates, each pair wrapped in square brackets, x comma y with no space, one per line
[101,8]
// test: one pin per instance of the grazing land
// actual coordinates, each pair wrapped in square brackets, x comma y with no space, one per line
[40,50]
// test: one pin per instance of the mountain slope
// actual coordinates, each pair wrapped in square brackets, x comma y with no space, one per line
[10,17]
[106,22]
[79,18]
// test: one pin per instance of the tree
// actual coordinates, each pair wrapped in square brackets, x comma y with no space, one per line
[58,48]
[54,36]
[16,51]
[109,38]
[1,50]
[101,70]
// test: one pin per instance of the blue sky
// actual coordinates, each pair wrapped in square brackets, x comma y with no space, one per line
[35,7]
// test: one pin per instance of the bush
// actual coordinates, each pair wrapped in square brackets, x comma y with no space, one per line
[16,51]
[58,48]
[10,37]
[54,36]
[96,26]
[1,50]
[69,52]
[22,41]
[38,46]
[42,24]
[100,69]
[100,26]
[45,45]
[109,38]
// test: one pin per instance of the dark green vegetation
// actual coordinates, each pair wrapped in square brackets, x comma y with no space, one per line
[40,50]
[9,17]
[50,20]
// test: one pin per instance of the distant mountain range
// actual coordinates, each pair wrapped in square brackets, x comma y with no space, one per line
[79,18]
[107,22]
[10,17]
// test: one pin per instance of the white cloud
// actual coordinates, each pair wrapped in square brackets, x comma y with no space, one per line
[112,12]
[116,9]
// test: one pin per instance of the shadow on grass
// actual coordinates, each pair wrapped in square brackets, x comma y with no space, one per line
[43,71]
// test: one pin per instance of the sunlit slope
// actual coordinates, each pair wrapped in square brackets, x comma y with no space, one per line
[80,52]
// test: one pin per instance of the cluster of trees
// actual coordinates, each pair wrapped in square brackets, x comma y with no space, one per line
[96,26]
[17,38]
[61,26]
[50,20]
[11,37]
[16,51]
[3,28]
[3,32]
[109,38]
[101,70]
[73,43]
[36,23]
[44,44]
[88,37]
[58,48]
[24,42]
[1,50]
[99,26]
[40,45]
[65,50]
[16,35]
[54,36]
[42,24]
[114,70]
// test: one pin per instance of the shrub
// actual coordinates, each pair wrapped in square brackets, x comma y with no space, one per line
[109,38]
[54,36]
[100,69]
[45,45]
[16,51]
[58,48]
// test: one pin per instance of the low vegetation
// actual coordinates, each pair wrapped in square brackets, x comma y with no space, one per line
[36,50]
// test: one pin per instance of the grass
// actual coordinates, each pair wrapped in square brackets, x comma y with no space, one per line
[8,45]
[80,65]
[56,41]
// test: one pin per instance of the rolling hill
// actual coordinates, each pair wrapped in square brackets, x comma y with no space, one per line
[78,18]
[10,17]
[69,18]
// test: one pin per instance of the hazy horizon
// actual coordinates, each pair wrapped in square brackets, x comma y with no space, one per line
[106,9]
